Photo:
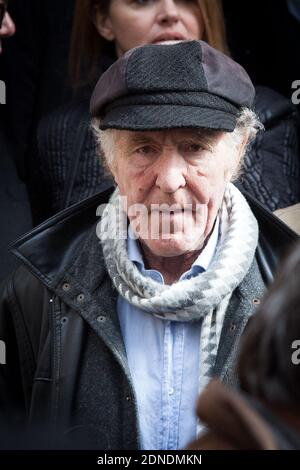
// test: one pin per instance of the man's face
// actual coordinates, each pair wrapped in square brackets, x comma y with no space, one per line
[7,28]
[186,171]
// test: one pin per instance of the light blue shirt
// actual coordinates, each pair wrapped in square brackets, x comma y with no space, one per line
[163,359]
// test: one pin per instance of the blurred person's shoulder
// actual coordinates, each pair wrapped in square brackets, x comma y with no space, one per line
[237,421]
[290,216]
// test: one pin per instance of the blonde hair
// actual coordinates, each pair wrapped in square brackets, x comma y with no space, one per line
[214,24]
[88,47]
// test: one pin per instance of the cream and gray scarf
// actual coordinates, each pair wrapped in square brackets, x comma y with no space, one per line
[204,297]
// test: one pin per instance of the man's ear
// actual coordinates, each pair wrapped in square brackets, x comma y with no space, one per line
[103,25]
[233,172]
[242,147]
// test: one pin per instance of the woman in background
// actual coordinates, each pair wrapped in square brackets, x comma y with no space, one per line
[104,30]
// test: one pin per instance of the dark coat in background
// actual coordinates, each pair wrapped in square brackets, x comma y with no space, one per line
[34,65]
[271,170]
[15,212]
[264,38]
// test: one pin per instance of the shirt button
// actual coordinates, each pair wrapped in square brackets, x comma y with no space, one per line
[171,391]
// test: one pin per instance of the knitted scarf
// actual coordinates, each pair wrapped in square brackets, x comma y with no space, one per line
[204,297]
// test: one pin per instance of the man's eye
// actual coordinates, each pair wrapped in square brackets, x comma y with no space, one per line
[142,2]
[192,148]
[146,150]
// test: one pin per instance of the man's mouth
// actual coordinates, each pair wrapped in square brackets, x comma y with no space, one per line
[171,212]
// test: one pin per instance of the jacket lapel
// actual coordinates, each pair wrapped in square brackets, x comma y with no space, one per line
[90,293]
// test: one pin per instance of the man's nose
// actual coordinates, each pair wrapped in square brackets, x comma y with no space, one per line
[8,26]
[168,12]
[170,172]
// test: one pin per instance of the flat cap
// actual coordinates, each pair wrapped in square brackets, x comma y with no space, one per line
[185,84]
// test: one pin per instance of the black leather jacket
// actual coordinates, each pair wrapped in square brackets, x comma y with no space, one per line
[271,166]
[59,322]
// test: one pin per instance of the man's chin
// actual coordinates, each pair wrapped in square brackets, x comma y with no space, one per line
[173,245]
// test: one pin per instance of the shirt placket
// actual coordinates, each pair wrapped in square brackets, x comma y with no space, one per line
[177,383]
[166,385]
[172,384]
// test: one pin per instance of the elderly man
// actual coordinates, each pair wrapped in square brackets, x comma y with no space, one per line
[112,327]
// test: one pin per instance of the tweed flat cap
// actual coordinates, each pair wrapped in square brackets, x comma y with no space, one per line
[161,86]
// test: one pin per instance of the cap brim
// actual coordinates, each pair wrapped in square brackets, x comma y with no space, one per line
[159,117]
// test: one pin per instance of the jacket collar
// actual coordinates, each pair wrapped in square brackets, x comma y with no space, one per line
[50,249]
